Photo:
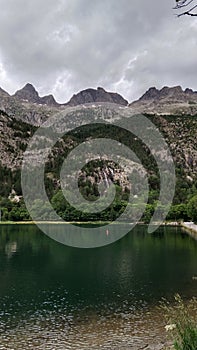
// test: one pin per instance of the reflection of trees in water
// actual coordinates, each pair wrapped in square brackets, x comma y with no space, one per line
[10,248]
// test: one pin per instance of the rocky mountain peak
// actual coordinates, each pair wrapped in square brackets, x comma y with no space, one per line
[150,94]
[48,100]
[28,93]
[100,89]
[29,87]
[189,91]
[171,91]
[153,93]
[173,94]
[168,100]
[96,95]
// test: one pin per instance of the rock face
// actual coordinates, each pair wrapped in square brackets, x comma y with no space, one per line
[96,95]
[48,100]
[168,100]
[29,94]
[3,93]
[180,134]
[176,94]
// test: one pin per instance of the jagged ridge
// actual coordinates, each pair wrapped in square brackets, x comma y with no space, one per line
[28,93]
[168,100]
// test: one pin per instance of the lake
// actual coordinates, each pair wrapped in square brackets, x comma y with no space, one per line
[58,297]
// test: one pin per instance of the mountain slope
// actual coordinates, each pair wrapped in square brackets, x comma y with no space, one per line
[168,100]
[26,104]
[96,95]
[172,110]
[29,94]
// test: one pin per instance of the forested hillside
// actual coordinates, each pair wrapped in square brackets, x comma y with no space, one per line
[179,131]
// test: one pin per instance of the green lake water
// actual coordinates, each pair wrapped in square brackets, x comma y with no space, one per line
[57,297]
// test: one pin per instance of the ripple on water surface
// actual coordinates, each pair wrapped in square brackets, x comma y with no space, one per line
[85,330]
[56,297]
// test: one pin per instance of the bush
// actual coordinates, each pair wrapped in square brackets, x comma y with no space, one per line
[192,208]
[182,323]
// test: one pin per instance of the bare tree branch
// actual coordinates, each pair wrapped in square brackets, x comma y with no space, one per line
[186,4]
[182,3]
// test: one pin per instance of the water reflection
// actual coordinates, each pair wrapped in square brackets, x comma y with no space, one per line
[89,299]
[86,236]
[10,249]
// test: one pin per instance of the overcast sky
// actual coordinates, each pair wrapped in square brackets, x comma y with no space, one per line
[64,46]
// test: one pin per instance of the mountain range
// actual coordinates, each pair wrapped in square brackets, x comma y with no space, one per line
[28,94]
[165,95]
[23,112]
[171,109]
[27,105]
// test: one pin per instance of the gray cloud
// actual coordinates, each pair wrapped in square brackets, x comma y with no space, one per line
[66,46]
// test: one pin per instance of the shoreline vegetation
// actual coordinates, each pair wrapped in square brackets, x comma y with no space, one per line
[189,225]
[26,222]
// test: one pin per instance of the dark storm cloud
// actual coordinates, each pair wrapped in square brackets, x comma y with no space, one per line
[65,46]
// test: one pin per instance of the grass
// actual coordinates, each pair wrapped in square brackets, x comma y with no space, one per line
[181,321]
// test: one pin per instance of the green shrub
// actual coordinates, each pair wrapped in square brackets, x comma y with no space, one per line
[182,323]
[192,208]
